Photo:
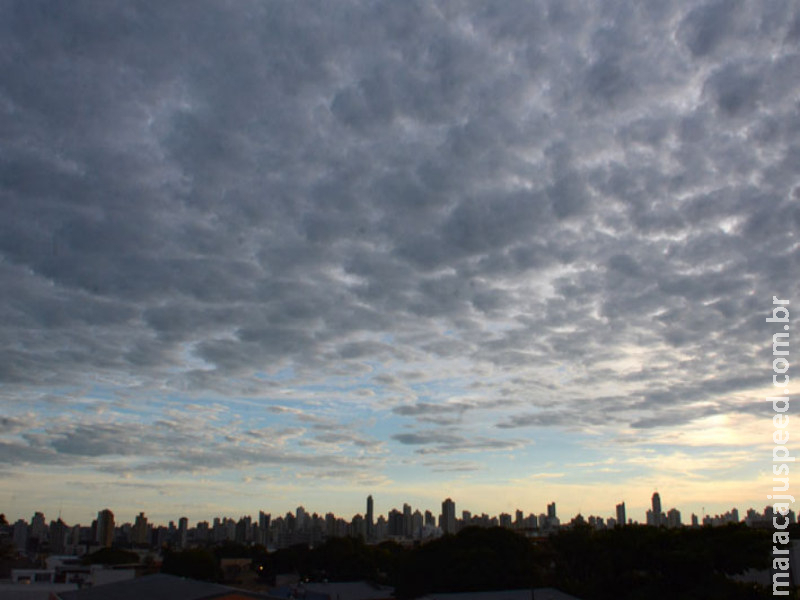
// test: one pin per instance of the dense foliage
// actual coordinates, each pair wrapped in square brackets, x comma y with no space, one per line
[338,559]
[624,563]
[649,563]
[475,559]
[195,564]
[111,556]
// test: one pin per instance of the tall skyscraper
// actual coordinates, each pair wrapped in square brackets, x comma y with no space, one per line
[105,528]
[263,527]
[370,519]
[448,521]
[416,525]
[658,517]
[183,532]
[621,513]
[407,525]
[551,511]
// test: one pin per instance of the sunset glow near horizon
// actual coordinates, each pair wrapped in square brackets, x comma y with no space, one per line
[256,255]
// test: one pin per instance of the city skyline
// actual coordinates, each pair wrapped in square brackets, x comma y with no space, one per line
[551,511]
[260,253]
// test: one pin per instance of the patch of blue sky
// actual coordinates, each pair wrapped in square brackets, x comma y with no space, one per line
[88,400]
[547,452]
[432,389]
[385,425]
[341,388]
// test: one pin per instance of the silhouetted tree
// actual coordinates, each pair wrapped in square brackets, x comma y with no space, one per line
[654,563]
[474,559]
[194,564]
[111,556]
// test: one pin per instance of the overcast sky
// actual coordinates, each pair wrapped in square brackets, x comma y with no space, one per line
[262,254]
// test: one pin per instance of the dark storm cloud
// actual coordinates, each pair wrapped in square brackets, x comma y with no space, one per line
[200,198]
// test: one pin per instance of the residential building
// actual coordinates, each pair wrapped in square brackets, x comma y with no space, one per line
[448,517]
[105,528]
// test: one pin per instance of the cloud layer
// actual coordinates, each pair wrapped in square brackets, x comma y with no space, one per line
[351,231]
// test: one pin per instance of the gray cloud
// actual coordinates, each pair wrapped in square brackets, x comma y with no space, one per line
[358,205]
[443,442]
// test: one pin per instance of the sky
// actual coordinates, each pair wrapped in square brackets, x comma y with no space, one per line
[261,254]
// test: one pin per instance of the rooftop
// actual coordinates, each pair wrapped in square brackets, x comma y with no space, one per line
[160,587]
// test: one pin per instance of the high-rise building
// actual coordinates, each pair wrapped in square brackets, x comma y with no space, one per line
[183,532]
[381,528]
[430,520]
[58,536]
[395,525]
[416,525]
[39,527]
[656,505]
[300,519]
[243,531]
[448,520]
[20,535]
[370,519]
[407,525]
[358,527]
[217,531]
[551,511]
[201,532]
[263,527]
[673,518]
[621,513]
[655,517]
[105,528]
[139,530]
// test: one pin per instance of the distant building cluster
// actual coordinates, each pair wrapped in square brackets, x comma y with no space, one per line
[408,525]
[656,518]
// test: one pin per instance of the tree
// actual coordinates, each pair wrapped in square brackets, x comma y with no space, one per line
[111,556]
[194,564]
